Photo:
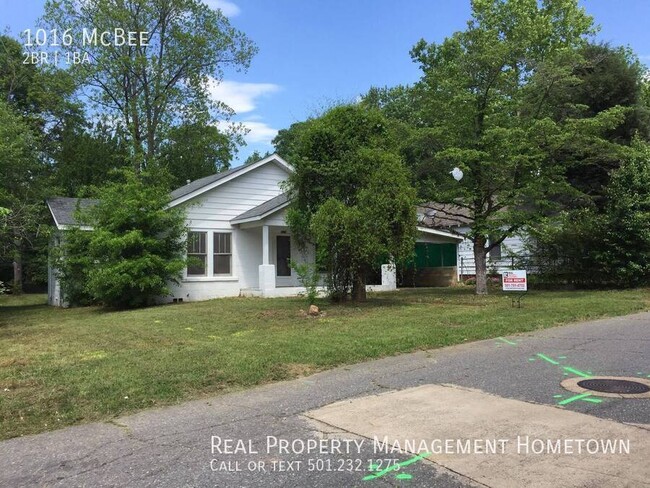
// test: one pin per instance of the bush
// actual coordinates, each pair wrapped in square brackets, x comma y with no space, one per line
[309,277]
[136,246]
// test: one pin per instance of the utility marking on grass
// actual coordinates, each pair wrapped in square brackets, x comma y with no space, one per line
[574,398]
[507,341]
[546,358]
[396,466]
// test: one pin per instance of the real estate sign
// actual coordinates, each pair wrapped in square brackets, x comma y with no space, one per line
[515,280]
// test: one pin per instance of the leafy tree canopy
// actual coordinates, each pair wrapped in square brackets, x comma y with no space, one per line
[351,194]
[484,97]
[135,249]
[162,82]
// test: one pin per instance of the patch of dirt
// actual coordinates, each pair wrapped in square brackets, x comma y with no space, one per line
[14,362]
[299,370]
[265,314]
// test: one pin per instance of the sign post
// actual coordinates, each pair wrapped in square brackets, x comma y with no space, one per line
[515,280]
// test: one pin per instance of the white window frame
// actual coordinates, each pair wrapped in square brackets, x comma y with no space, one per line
[204,253]
[215,253]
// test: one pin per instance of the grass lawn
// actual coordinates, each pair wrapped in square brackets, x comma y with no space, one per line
[65,366]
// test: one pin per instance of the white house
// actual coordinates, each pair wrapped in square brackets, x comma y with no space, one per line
[238,233]
[456,220]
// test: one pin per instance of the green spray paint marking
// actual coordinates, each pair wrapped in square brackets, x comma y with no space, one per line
[561,357]
[574,398]
[403,476]
[576,371]
[546,358]
[396,466]
[592,400]
[532,359]
[558,396]
[507,341]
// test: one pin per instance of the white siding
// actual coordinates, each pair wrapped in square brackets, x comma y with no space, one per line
[512,245]
[212,212]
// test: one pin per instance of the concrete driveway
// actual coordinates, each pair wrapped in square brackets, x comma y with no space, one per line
[490,413]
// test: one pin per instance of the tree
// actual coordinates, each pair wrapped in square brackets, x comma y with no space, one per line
[35,101]
[626,231]
[135,249]
[159,81]
[606,77]
[195,150]
[484,109]
[256,156]
[351,195]
[88,156]
[20,175]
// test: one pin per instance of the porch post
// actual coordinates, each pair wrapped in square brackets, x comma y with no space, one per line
[265,244]
[266,270]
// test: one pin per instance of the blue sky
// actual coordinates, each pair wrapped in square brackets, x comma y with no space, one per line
[313,53]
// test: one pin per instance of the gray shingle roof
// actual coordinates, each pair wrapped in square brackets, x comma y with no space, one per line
[64,208]
[443,215]
[201,182]
[263,208]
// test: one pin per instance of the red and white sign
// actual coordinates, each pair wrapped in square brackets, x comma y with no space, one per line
[515,280]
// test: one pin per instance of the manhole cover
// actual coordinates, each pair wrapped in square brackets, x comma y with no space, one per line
[622,387]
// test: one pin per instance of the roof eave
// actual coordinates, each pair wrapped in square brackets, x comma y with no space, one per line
[257,218]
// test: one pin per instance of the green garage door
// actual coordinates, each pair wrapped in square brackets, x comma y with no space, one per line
[428,255]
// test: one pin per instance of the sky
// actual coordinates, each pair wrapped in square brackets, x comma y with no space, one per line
[314,53]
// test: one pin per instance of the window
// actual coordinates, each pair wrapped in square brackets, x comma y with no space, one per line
[196,253]
[222,253]
[495,252]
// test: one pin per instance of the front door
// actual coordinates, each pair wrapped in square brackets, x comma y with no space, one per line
[283,258]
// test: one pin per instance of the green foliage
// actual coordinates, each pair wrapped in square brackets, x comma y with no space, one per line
[484,101]
[88,156]
[255,156]
[309,278]
[150,89]
[23,179]
[626,236]
[136,246]
[195,150]
[590,248]
[351,193]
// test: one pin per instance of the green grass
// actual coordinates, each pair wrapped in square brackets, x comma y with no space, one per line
[66,366]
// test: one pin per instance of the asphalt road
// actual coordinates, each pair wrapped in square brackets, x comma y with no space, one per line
[237,440]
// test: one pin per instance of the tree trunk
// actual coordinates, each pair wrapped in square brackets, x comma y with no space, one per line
[359,287]
[480,266]
[17,286]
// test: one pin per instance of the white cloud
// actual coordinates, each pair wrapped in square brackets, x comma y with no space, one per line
[260,132]
[228,8]
[238,95]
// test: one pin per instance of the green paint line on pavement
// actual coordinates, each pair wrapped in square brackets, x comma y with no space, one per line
[396,466]
[561,357]
[506,341]
[558,396]
[546,358]
[574,398]
[592,400]
[403,476]
[576,371]
[532,359]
